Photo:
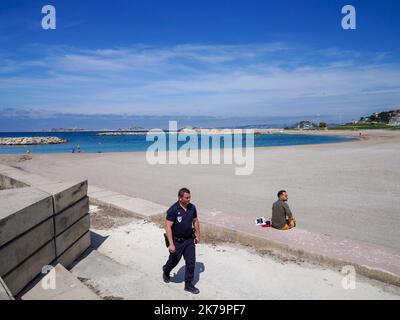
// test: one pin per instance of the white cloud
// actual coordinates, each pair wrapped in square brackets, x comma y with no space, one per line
[269,79]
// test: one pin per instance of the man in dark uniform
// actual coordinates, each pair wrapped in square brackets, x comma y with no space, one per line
[282,217]
[179,223]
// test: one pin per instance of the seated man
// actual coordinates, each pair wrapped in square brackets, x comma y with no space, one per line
[282,217]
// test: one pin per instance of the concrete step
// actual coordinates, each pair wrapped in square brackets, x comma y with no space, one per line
[60,284]
[138,207]
[113,280]
[40,221]
[22,209]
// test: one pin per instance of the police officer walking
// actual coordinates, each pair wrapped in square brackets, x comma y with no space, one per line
[179,223]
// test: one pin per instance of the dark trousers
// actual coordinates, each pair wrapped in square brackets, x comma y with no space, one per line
[187,249]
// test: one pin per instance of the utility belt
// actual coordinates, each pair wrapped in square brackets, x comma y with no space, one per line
[182,239]
[178,239]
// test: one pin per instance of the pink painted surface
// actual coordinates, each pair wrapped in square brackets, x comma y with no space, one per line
[352,251]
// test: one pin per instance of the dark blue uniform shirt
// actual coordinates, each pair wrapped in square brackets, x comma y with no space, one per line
[183,220]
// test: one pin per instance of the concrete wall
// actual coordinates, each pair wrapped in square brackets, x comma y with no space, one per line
[41,222]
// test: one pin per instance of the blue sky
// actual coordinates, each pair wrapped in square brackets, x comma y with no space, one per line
[250,60]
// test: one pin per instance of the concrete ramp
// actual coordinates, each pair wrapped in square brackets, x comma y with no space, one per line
[60,284]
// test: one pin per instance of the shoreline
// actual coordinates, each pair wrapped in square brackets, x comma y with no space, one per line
[315,133]
[368,136]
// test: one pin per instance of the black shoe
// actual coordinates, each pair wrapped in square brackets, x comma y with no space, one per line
[191,288]
[165,276]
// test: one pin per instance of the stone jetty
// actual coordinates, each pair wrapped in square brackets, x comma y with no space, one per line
[17,141]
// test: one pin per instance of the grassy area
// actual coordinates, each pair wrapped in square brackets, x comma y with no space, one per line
[363,127]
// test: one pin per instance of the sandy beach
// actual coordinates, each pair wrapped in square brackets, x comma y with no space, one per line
[349,189]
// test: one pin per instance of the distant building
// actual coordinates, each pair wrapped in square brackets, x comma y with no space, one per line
[189,129]
[306,125]
[395,121]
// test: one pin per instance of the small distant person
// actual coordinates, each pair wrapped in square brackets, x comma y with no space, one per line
[78,148]
[282,217]
[179,223]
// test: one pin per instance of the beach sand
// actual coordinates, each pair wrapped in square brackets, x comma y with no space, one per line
[349,189]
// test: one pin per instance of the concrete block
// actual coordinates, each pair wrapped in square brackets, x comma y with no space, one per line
[73,233]
[67,287]
[75,251]
[65,194]
[29,179]
[16,251]
[10,183]
[5,294]
[17,279]
[22,209]
[69,216]
[138,207]
[101,194]
[4,168]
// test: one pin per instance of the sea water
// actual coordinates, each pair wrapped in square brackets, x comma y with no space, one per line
[90,142]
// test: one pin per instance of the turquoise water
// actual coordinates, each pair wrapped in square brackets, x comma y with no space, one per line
[91,143]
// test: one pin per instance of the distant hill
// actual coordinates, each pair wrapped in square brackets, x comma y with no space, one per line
[391,117]
[63,130]
[131,128]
